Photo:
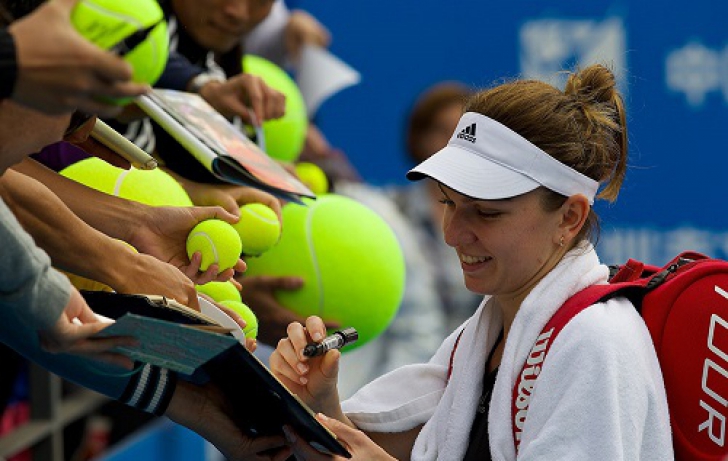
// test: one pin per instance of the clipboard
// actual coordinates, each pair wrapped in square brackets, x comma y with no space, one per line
[265,404]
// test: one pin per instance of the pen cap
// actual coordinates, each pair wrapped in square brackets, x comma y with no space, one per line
[350,335]
[108,23]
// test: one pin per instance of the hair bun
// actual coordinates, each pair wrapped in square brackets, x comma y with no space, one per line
[595,84]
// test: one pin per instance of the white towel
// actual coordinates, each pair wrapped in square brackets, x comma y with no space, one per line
[445,436]
[599,396]
[414,394]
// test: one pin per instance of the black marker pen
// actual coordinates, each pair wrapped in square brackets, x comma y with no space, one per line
[336,341]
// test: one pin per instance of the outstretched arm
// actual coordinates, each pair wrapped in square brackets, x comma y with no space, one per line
[59,71]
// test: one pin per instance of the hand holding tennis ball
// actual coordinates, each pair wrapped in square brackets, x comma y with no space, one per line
[259,228]
[251,321]
[217,241]
[107,23]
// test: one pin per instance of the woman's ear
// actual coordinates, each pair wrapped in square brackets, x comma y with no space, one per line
[574,213]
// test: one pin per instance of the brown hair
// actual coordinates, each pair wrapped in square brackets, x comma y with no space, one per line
[583,127]
[423,113]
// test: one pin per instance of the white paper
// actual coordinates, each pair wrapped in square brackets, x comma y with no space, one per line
[320,74]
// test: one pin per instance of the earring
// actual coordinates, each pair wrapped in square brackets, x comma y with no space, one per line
[561,241]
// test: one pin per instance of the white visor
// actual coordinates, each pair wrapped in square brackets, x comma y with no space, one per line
[487,160]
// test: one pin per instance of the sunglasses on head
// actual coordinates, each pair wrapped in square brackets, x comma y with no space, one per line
[78,119]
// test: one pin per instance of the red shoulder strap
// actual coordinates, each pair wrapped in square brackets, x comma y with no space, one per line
[532,368]
[452,354]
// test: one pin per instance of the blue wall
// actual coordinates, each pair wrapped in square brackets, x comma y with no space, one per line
[672,61]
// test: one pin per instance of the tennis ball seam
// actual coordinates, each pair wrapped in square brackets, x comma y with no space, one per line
[216,259]
[261,217]
[120,182]
[314,259]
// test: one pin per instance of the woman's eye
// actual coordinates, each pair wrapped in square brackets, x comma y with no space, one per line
[445,201]
[489,214]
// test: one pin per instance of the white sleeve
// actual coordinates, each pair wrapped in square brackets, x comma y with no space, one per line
[387,404]
[600,394]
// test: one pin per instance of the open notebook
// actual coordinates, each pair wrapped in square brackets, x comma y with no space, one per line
[209,345]
[219,145]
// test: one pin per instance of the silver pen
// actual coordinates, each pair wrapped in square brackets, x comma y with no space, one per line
[337,340]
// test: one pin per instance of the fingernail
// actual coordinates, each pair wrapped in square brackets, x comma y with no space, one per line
[317,337]
[303,380]
[302,368]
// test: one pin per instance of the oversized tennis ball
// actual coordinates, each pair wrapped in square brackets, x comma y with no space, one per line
[151,187]
[258,228]
[284,137]
[106,23]
[251,328]
[220,291]
[218,243]
[312,176]
[349,258]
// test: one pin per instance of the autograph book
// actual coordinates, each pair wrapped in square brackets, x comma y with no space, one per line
[218,145]
[209,345]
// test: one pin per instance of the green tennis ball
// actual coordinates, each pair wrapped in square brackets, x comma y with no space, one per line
[349,258]
[251,328]
[151,187]
[259,228]
[220,291]
[218,243]
[312,176]
[284,137]
[107,22]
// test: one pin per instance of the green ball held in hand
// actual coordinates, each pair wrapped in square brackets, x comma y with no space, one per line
[107,22]
[251,329]
[217,241]
[259,228]
[220,291]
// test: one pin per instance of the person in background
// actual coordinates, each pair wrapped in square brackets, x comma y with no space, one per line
[430,123]
[517,182]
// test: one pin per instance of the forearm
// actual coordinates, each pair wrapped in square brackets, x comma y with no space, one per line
[111,215]
[71,244]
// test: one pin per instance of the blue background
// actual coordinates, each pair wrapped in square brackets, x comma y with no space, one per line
[678,156]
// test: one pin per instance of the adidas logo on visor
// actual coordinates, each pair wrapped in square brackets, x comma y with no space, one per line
[468,133]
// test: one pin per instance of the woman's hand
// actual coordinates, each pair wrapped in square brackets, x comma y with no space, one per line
[313,379]
[361,447]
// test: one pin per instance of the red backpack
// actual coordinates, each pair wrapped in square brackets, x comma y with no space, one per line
[685,307]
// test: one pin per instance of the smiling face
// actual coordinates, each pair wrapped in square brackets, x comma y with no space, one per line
[505,246]
[218,25]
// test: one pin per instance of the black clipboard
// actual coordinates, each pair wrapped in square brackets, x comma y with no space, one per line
[265,404]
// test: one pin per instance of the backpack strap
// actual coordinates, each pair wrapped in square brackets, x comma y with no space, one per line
[525,380]
[452,355]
